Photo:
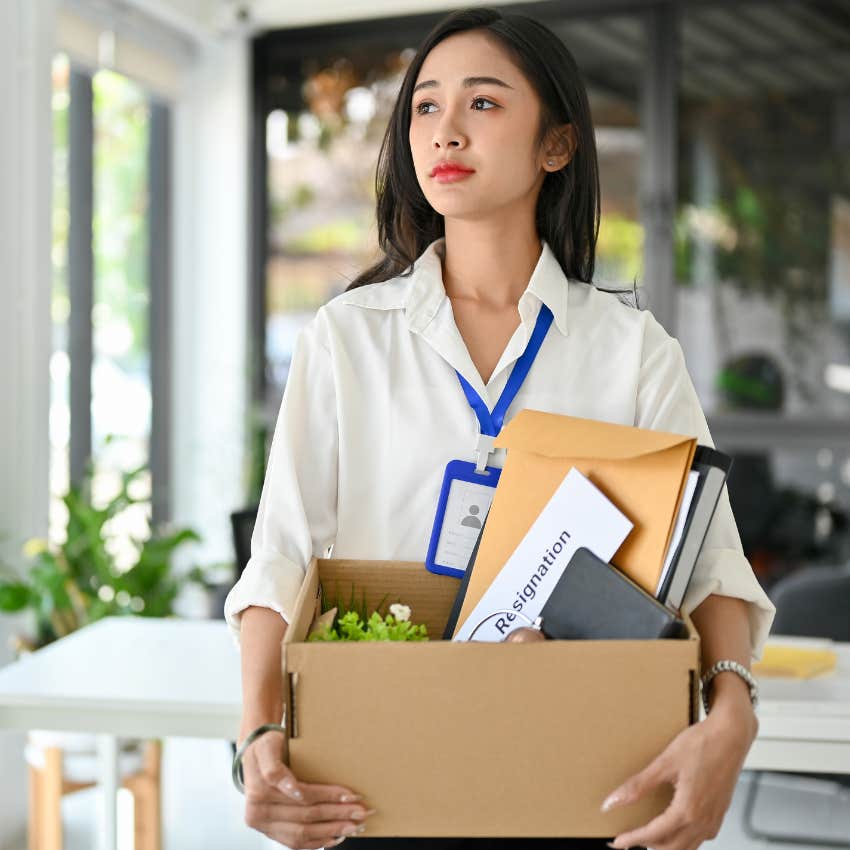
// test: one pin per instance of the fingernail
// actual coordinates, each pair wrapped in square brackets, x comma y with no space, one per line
[610,801]
[290,789]
[362,815]
[350,798]
[338,841]
[353,830]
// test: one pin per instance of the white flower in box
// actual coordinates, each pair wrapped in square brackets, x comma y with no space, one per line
[400,612]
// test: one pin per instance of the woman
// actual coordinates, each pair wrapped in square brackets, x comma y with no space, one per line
[373,408]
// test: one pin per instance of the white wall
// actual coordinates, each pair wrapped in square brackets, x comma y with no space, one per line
[210,376]
[26,48]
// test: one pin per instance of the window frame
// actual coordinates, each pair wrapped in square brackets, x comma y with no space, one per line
[81,283]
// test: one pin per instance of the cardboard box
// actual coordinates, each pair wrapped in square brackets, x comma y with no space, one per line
[478,739]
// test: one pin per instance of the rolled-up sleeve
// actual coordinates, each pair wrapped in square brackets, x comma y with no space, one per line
[667,401]
[297,514]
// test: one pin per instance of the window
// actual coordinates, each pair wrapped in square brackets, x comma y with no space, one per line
[321,164]
[763,265]
[102,387]
[60,410]
[325,98]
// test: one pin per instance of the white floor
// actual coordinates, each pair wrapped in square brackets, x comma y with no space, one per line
[203,811]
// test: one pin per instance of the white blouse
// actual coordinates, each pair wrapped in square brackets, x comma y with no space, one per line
[373,411]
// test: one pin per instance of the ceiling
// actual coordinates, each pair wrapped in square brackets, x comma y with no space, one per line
[728,49]
[211,17]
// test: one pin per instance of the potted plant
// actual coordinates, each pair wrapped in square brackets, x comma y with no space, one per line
[80,581]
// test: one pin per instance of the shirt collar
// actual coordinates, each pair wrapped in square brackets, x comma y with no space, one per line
[421,293]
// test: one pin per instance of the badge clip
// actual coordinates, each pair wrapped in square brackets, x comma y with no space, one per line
[484,449]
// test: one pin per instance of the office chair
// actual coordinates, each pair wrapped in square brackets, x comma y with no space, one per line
[242,526]
[752,496]
[812,602]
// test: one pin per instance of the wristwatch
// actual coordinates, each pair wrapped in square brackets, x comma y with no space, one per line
[732,667]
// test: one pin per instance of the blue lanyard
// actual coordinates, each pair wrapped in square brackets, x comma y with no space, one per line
[491,423]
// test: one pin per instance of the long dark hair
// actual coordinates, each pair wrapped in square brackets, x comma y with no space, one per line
[567,214]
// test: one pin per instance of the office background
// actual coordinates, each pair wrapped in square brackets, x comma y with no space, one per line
[184,183]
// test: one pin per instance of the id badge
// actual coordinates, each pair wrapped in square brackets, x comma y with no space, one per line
[465,498]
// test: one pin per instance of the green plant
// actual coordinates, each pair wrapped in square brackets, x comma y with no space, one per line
[353,604]
[80,582]
[350,626]
[355,623]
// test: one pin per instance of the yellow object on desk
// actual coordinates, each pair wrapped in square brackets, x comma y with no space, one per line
[794,661]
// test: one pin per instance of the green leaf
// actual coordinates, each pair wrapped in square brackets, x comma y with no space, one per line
[378,628]
[50,578]
[351,627]
[15,596]
[61,586]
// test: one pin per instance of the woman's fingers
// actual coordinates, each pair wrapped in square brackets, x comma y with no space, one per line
[300,826]
[298,814]
[269,761]
[315,793]
[327,812]
[309,836]
[265,755]
[278,808]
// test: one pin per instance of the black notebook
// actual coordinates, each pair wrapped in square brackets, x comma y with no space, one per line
[593,600]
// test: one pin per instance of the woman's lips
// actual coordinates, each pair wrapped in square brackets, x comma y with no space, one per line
[451,175]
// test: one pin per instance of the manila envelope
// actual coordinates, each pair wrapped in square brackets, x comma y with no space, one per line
[643,472]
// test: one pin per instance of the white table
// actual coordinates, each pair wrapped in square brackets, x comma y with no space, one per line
[145,677]
[132,677]
[804,724]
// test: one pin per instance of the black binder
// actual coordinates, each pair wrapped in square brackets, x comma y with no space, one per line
[713,468]
[593,600]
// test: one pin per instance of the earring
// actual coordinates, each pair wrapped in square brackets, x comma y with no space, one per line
[550,162]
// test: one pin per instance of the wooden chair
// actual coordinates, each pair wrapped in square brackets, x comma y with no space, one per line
[53,772]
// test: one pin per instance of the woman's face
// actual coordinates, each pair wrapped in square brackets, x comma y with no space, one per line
[489,126]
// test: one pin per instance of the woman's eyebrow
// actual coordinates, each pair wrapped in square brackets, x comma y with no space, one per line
[468,83]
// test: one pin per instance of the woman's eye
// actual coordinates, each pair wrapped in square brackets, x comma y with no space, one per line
[419,107]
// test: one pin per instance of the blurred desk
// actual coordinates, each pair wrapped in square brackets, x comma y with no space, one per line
[804,724]
[128,676]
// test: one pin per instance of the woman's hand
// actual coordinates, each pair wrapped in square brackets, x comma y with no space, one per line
[300,815]
[703,764]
